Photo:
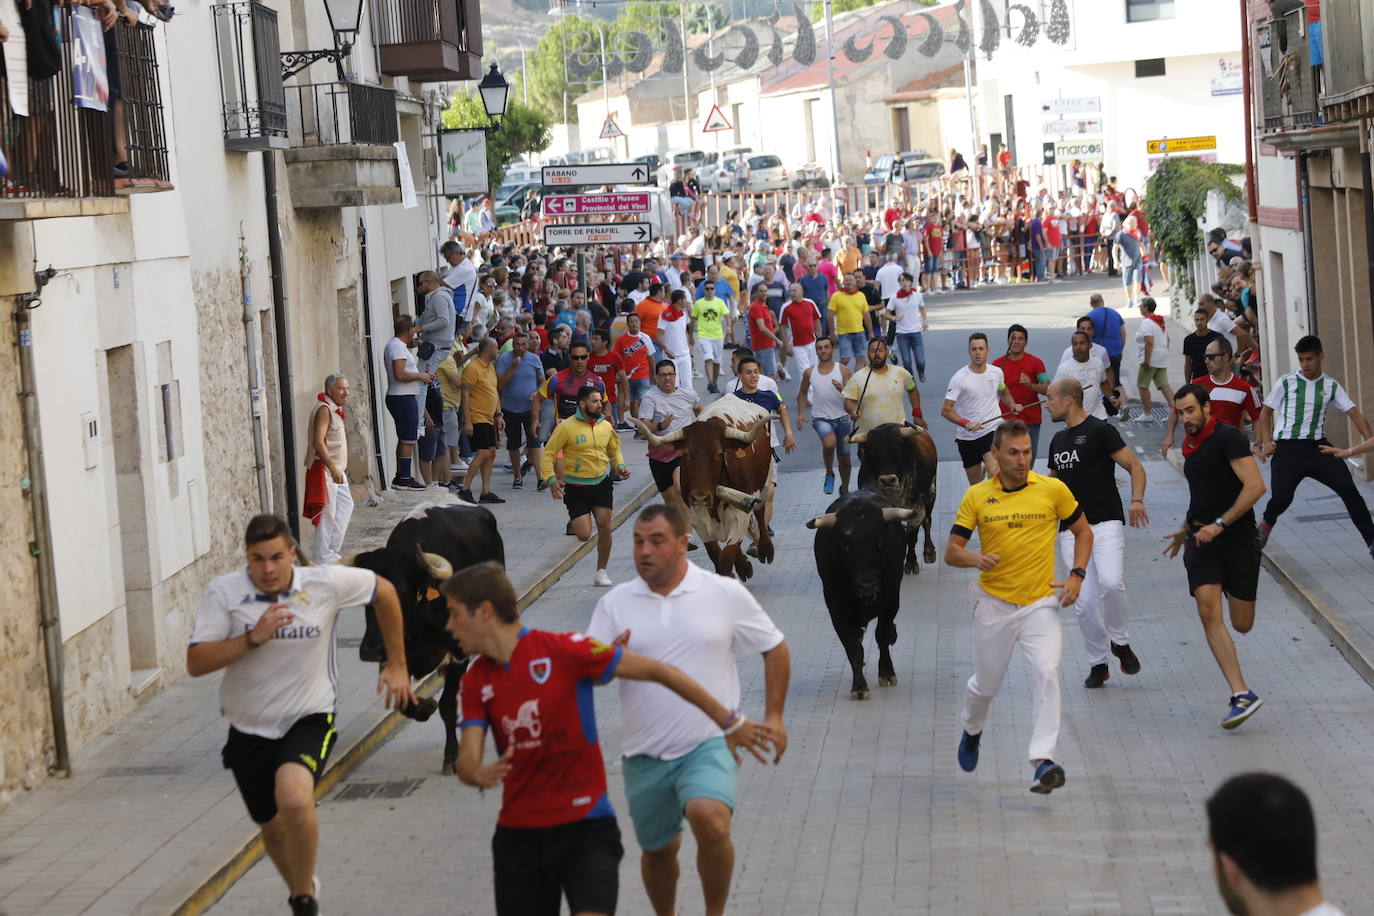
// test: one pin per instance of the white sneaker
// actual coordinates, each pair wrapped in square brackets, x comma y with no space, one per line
[602,579]
[459,467]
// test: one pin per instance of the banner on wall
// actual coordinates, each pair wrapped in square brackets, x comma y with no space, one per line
[1227,78]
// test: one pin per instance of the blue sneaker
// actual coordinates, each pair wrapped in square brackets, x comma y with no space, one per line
[829,484]
[1048,777]
[1243,706]
[968,751]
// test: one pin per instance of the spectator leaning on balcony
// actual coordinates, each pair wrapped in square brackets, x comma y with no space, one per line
[461,278]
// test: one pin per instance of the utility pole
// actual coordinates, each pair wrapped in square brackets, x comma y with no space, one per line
[834,107]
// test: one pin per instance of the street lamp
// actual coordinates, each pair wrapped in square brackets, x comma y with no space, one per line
[494,91]
[345,17]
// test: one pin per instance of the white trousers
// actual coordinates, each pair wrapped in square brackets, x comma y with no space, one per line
[805,356]
[1101,606]
[334,517]
[683,365]
[998,627]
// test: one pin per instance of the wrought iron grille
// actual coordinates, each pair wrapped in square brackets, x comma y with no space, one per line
[59,150]
[350,113]
[145,135]
[251,87]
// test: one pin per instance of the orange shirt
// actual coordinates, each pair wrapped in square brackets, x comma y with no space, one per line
[649,311]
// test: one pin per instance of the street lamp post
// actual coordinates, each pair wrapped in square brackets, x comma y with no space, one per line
[345,18]
[495,93]
[524,74]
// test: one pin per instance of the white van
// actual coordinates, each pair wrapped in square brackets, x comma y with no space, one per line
[676,159]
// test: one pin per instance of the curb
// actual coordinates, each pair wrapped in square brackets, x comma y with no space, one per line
[214,885]
[1285,569]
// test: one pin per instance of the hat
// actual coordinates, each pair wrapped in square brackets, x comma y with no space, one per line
[678,256]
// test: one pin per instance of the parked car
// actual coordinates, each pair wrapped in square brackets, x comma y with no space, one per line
[649,159]
[885,167]
[919,166]
[676,159]
[811,175]
[717,170]
[520,173]
[522,203]
[767,173]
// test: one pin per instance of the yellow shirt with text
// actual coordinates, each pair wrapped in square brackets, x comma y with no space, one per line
[1021,527]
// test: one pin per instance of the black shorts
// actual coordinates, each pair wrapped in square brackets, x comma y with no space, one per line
[971,451]
[483,436]
[536,866]
[580,499]
[254,760]
[1231,561]
[519,429]
[663,472]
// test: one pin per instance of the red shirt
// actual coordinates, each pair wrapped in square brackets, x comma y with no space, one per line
[801,321]
[1020,392]
[1004,158]
[758,311]
[634,355]
[935,237]
[1230,400]
[543,337]
[606,367]
[890,216]
[542,701]
[1053,236]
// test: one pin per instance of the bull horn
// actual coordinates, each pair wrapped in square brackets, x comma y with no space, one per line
[438,567]
[738,498]
[350,560]
[748,436]
[824,521]
[654,438]
[909,432]
[898,515]
[858,438]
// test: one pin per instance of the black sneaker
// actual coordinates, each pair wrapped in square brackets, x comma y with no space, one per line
[526,468]
[711,388]
[542,486]
[466,495]
[121,169]
[304,905]
[518,483]
[568,530]
[407,483]
[1097,676]
[1129,663]
[490,498]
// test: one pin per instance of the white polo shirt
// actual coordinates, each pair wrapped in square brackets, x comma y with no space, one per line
[294,674]
[696,628]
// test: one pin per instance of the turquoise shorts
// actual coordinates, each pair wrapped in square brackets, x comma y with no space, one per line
[658,790]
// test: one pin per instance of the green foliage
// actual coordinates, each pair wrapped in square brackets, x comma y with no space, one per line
[844,6]
[548,75]
[523,130]
[1175,199]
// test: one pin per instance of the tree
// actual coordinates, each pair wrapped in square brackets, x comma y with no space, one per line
[550,91]
[522,130]
[1175,199]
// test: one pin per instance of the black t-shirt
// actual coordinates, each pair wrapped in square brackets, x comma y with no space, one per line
[1212,483]
[873,295]
[1195,348]
[553,360]
[1081,456]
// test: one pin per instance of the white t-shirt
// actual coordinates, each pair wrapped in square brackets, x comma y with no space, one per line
[1324,909]
[889,279]
[464,275]
[675,336]
[1159,354]
[765,384]
[975,397]
[696,628]
[1224,325]
[396,349]
[908,311]
[294,674]
[1092,375]
[1095,351]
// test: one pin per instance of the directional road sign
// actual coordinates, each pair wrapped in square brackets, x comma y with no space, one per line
[1180,144]
[1084,105]
[598,204]
[598,234]
[555,176]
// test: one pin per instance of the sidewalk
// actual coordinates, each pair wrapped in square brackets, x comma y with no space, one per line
[150,815]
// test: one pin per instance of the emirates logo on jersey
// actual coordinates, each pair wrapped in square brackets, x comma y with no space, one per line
[540,669]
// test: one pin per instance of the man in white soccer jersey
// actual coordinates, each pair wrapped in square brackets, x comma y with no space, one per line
[974,404]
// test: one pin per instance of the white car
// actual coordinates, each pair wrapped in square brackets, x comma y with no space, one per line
[767,173]
[678,160]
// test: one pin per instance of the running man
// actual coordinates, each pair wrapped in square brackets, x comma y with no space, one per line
[749,387]
[582,479]
[873,394]
[822,386]
[666,407]
[1027,381]
[974,401]
[1232,397]
[801,325]
[270,625]
[556,834]
[1085,455]
[1298,442]
[676,762]
[1218,536]
[1017,515]
[708,327]
[1088,371]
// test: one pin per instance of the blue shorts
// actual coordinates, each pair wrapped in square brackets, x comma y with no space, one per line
[768,360]
[853,345]
[658,790]
[930,264]
[405,411]
[638,386]
[839,427]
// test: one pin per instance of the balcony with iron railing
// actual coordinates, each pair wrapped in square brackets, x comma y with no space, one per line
[342,137]
[1288,93]
[252,92]
[1346,27]
[430,40]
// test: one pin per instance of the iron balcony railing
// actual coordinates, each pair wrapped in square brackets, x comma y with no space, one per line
[1289,93]
[251,88]
[349,113]
[144,130]
[58,149]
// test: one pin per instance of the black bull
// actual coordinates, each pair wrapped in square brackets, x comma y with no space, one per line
[424,549]
[900,463]
[859,547]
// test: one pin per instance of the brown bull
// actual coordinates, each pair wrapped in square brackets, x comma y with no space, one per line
[726,470]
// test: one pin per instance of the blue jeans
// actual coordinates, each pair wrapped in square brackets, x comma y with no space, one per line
[1041,262]
[911,349]
[768,360]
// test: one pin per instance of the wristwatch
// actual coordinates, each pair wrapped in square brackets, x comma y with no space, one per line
[1079,571]
[1220,522]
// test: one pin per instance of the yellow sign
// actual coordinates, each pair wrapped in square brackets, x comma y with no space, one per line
[1180,144]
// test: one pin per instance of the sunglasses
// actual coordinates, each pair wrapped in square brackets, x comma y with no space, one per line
[583,356]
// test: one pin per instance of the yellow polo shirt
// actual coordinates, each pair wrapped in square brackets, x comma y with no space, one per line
[849,309]
[1021,527]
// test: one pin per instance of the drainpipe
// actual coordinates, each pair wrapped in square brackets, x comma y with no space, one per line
[41,547]
[370,356]
[1309,277]
[1368,195]
[250,320]
[285,380]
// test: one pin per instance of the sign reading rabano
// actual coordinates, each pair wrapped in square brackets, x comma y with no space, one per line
[463,162]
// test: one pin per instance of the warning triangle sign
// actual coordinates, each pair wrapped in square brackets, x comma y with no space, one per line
[715,121]
[610,130]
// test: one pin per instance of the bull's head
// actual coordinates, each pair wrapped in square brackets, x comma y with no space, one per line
[416,578]
[859,524]
[889,454]
[703,445]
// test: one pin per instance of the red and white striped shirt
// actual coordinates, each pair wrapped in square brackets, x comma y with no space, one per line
[1230,399]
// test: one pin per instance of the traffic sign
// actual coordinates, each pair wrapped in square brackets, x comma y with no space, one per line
[1180,144]
[597,234]
[565,176]
[1085,105]
[1073,126]
[610,130]
[597,204]
[1084,149]
[715,121]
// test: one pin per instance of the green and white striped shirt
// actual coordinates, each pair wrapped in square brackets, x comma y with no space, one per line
[1300,405]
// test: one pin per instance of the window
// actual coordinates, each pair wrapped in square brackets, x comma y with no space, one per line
[1149,10]
[1152,67]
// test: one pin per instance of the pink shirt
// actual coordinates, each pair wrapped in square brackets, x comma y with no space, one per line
[830,272]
